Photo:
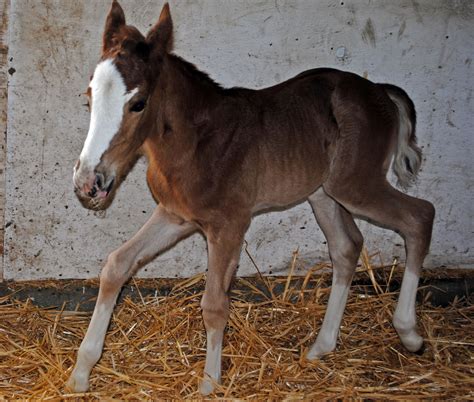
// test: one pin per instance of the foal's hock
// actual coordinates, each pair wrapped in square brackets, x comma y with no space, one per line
[217,156]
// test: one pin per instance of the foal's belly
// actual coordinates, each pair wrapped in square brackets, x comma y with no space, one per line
[287,180]
[279,191]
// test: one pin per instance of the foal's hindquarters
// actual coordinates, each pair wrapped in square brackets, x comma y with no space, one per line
[374,123]
[372,129]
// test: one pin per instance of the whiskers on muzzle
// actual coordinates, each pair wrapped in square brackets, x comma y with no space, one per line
[95,196]
[94,204]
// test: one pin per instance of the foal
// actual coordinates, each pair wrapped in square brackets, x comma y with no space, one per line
[217,156]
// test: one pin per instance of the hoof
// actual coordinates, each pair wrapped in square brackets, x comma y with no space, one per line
[412,341]
[77,384]
[207,385]
[421,350]
[317,352]
[313,356]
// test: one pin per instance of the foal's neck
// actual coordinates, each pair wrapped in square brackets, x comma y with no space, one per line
[186,103]
[193,89]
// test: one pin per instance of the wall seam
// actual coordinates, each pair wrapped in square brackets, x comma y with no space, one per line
[4,19]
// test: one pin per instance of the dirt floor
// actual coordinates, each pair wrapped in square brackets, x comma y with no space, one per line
[155,346]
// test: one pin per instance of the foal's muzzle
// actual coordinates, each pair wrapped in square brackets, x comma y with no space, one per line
[92,184]
[100,188]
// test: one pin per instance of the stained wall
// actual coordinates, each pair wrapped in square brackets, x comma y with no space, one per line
[424,46]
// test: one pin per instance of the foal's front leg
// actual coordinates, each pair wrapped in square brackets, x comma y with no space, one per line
[158,233]
[224,250]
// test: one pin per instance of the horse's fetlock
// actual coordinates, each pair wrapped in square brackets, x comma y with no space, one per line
[403,324]
[90,353]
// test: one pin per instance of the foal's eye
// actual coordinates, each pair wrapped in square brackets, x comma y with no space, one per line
[138,106]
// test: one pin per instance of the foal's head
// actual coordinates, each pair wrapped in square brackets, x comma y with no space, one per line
[118,94]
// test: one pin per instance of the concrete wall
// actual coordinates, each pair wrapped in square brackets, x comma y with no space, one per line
[424,46]
[4,12]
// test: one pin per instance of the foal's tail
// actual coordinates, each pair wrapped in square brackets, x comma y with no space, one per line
[407,160]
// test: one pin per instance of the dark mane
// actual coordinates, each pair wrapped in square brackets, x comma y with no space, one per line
[192,71]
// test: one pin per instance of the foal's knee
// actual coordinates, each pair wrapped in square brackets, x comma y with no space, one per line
[113,275]
[215,310]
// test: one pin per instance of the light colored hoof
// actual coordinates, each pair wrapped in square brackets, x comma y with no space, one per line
[77,383]
[408,335]
[314,355]
[317,352]
[411,341]
[207,385]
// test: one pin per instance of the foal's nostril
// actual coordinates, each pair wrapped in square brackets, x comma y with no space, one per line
[99,180]
[93,192]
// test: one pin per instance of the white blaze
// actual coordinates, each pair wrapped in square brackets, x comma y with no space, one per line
[109,95]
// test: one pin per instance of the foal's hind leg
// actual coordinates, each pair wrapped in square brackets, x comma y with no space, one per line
[345,243]
[413,218]
[158,233]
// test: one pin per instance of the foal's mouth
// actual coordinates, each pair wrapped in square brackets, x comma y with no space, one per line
[101,190]
[99,195]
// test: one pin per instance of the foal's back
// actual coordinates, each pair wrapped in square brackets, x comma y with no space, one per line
[293,129]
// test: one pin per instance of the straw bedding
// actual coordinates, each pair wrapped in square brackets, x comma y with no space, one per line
[155,346]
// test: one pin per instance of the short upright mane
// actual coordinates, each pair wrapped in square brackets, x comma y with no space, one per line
[191,70]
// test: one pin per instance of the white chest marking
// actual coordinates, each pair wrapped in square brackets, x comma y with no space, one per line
[109,96]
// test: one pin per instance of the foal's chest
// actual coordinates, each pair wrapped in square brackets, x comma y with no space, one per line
[169,193]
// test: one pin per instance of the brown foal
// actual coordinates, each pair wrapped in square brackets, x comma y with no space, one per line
[217,156]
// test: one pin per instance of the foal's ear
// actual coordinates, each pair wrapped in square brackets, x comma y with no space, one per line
[160,37]
[115,20]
